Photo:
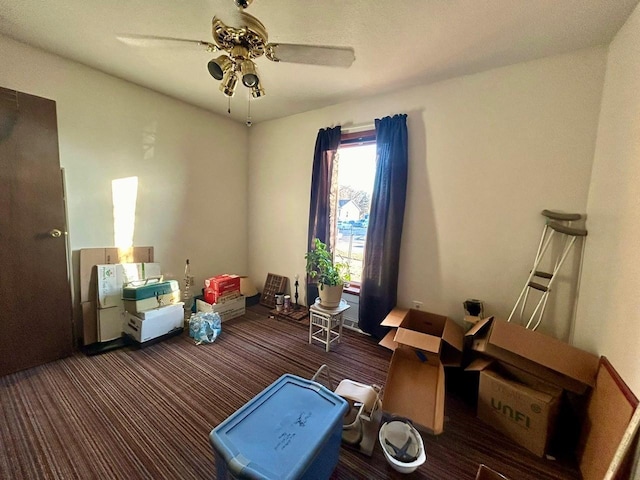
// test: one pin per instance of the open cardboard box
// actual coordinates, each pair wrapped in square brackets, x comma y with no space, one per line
[423,343]
[547,358]
[545,367]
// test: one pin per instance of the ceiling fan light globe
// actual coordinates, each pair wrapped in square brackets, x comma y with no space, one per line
[249,74]
[214,70]
[219,66]
[250,80]
[228,85]
[257,92]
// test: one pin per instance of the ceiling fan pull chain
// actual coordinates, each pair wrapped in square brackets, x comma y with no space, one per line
[249,112]
[229,105]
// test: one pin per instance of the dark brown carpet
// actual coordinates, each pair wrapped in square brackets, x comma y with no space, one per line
[147,414]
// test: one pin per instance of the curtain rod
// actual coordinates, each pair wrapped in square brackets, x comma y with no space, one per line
[362,127]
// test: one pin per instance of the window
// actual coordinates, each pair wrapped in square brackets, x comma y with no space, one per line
[356,174]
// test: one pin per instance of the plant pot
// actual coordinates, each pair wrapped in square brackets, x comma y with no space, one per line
[330,295]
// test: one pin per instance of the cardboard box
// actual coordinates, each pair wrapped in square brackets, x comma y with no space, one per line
[544,365]
[212,296]
[547,358]
[223,283]
[157,312]
[423,343]
[110,323]
[89,257]
[159,322]
[415,389]
[439,338]
[518,404]
[111,279]
[227,310]
[90,323]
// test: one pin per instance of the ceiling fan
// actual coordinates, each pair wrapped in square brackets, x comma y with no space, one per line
[242,44]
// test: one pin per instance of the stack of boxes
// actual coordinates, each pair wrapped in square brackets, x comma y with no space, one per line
[152,310]
[110,280]
[222,295]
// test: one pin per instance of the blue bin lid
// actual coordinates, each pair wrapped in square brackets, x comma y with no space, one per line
[278,433]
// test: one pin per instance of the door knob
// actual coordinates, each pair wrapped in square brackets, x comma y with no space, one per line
[55,233]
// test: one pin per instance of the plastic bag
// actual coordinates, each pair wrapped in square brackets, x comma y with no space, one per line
[204,327]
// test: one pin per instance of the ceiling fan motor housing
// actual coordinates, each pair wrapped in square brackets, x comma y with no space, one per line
[252,36]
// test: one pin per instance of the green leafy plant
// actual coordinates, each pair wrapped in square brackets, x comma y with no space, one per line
[320,266]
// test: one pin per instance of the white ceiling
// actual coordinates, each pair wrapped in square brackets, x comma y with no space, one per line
[397,43]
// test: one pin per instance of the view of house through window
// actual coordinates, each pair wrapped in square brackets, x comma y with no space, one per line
[356,173]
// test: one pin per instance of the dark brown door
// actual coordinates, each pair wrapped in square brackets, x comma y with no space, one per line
[35,298]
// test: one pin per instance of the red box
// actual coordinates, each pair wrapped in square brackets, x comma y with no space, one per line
[212,297]
[209,296]
[223,283]
[220,285]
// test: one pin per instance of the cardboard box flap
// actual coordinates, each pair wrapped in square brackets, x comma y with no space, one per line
[388,341]
[480,328]
[418,340]
[479,364]
[546,351]
[415,390]
[437,335]
[453,335]
[544,356]
[395,317]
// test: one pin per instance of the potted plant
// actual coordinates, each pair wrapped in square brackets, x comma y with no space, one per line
[331,276]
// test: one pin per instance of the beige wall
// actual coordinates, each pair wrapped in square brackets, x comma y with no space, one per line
[487,153]
[191,164]
[609,306]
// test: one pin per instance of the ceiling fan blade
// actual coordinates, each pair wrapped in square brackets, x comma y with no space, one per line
[167,42]
[311,54]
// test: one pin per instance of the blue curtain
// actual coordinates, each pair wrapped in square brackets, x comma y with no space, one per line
[379,289]
[327,144]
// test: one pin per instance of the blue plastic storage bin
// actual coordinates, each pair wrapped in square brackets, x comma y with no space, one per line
[291,430]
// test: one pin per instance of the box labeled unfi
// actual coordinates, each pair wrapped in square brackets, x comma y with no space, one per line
[521,396]
[518,404]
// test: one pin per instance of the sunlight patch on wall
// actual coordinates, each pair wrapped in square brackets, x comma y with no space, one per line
[124,194]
